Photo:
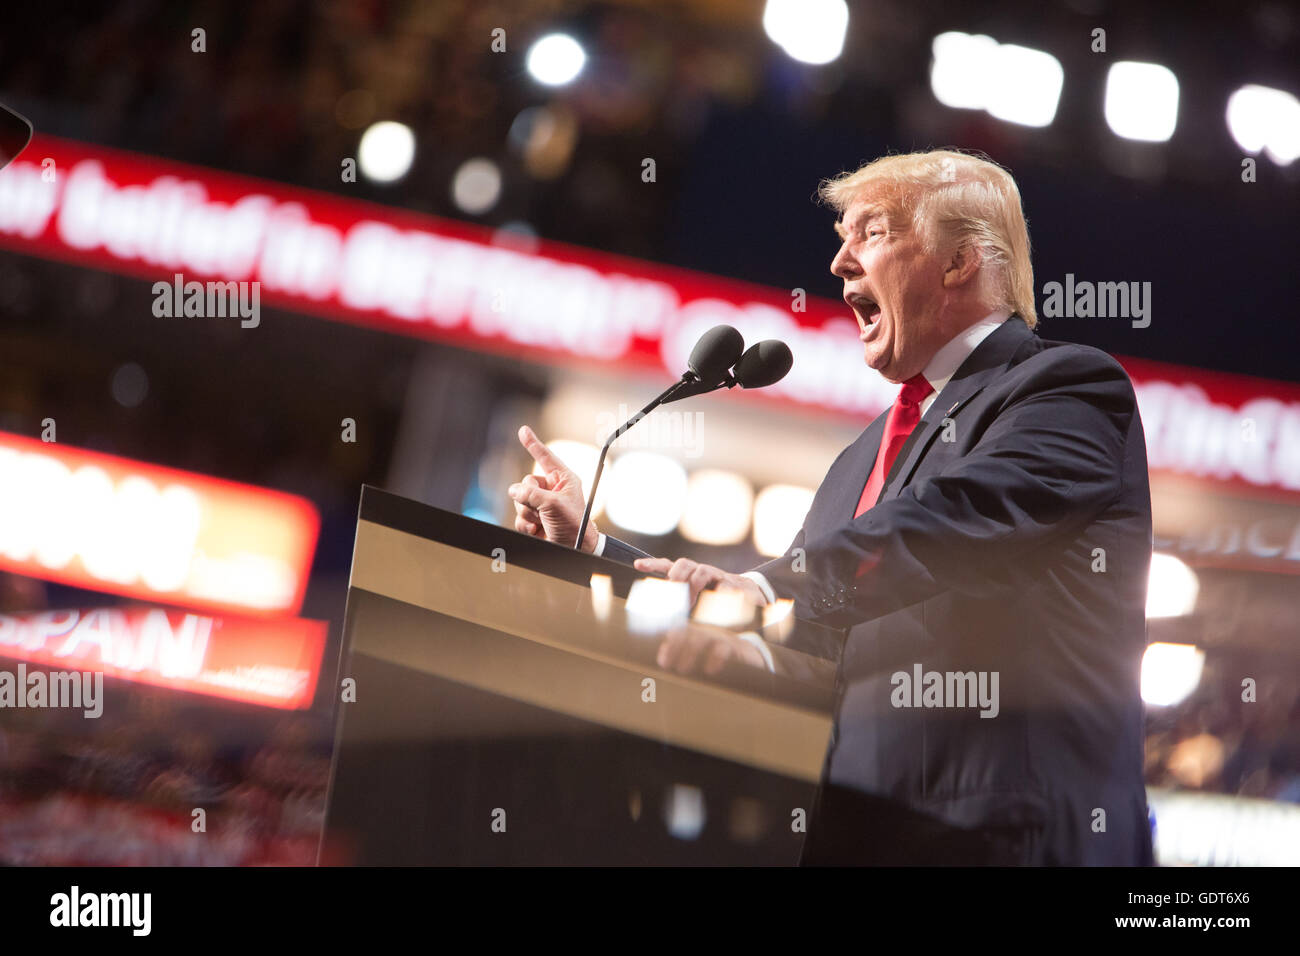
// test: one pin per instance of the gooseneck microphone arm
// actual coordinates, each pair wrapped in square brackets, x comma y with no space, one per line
[719,360]
[689,384]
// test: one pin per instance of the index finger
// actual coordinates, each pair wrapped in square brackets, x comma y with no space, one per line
[541,454]
[653,565]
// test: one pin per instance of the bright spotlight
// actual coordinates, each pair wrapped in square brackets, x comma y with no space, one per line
[386,151]
[810,31]
[1024,86]
[1170,672]
[556,59]
[647,492]
[1172,587]
[779,511]
[1012,83]
[961,62]
[718,507]
[1261,118]
[1141,101]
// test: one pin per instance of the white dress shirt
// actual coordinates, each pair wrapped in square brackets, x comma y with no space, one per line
[948,359]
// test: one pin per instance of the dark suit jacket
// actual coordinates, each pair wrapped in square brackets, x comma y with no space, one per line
[617,550]
[1013,535]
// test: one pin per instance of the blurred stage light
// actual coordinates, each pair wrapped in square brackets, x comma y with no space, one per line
[684,811]
[724,608]
[602,596]
[959,64]
[719,505]
[130,385]
[1171,588]
[1024,85]
[1141,101]
[476,187]
[1261,118]
[777,613]
[545,136]
[1215,829]
[386,151]
[517,235]
[1170,672]
[654,606]
[556,59]
[647,492]
[581,459]
[810,31]
[779,511]
[747,821]
[1013,83]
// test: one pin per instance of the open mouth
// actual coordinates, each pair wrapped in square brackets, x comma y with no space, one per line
[866,308]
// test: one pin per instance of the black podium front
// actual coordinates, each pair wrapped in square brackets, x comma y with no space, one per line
[500,708]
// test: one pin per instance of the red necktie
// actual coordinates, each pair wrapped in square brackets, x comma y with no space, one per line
[903,416]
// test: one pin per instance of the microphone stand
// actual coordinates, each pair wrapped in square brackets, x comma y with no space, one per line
[689,385]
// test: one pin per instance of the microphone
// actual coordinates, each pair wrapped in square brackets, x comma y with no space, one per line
[717,350]
[764,364]
[708,369]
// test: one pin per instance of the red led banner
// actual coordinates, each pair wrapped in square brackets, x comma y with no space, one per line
[275,663]
[383,267]
[386,268]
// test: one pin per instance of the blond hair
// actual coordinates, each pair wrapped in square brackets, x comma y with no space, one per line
[960,201]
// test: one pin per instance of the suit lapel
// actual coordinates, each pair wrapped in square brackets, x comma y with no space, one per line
[845,495]
[982,366]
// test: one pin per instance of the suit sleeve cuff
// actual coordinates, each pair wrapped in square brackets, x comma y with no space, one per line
[763,585]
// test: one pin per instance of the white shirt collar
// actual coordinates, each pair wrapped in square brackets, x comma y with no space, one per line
[948,359]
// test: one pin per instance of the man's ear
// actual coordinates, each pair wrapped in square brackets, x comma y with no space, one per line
[962,268]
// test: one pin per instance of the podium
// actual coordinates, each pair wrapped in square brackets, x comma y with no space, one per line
[499,709]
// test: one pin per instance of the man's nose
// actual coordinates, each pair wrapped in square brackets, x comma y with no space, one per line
[844,265]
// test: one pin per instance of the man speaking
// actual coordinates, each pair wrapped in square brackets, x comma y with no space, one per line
[982,549]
